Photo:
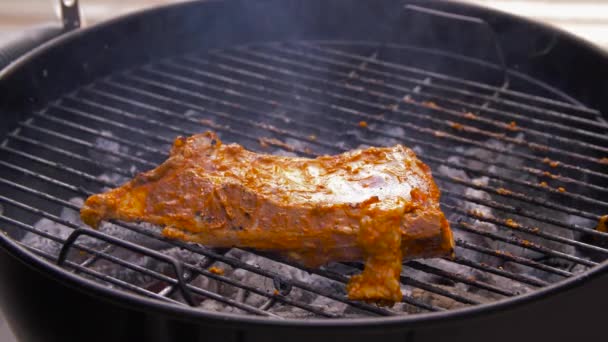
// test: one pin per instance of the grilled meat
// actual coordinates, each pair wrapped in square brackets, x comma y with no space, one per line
[379,205]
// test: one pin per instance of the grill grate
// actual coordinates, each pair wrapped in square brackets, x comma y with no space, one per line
[534,162]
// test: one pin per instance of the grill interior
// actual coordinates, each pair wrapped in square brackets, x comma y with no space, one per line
[522,169]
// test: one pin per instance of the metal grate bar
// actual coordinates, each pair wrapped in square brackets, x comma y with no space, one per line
[200,269]
[571,210]
[103,277]
[517,104]
[524,212]
[140,118]
[251,268]
[171,289]
[523,197]
[87,193]
[438,290]
[574,242]
[513,258]
[567,181]
[592,216]
[123,99]
[465,280]
[74,207]
[370,104]
[342,109]
[277,298]
[181,130]
[568,130]
[538,186]
[333,47]
[80,268]
[406,279]
[523,243]
[94,258]
[144,270]
[455,277]
[568,209]
[294,60]
[512,180]
[325,144]
[451,90]
[516,226]
[188,278]
[371,118]
[47,116]
[156,151]
[30,125]
[228,260]
[516,241]
[458,278]
[500,272]
[69,154]
[269,303]
[131,266]
[176,265]
[164,112]
[79,174]
[63,167]
[95,118]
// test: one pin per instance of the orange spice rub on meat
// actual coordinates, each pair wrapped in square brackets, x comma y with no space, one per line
[379,205]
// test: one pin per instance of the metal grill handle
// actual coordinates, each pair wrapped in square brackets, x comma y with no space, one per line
[70,14]
[177,265]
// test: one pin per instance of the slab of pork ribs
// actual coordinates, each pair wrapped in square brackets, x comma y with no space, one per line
[377,205]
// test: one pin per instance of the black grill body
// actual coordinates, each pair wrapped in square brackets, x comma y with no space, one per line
[58,309]
[46,302]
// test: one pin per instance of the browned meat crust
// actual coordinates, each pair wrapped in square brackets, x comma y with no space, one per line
[379,205]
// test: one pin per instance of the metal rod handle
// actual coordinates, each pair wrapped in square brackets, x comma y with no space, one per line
[70,14]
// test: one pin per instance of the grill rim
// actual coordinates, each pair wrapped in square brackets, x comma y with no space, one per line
[123,298]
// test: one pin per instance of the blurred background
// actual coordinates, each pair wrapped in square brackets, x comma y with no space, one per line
[585,18]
